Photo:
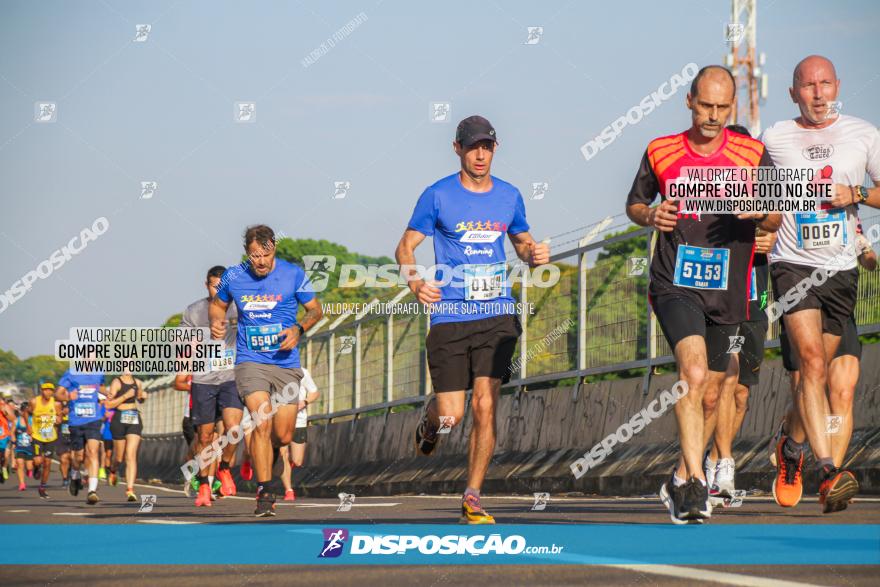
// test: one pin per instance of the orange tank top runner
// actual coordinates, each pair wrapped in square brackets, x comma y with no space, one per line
[4,426]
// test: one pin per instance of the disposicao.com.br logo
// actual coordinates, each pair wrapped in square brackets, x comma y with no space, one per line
[431,544]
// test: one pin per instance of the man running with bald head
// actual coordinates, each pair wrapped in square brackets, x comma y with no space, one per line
[841,148]
[700,274]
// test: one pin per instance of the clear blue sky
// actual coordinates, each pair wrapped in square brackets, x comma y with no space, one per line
[163,110]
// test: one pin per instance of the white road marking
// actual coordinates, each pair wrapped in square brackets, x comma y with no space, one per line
[71,513]
[530,498]
[336,505]
[159,488]
[281,503]
[154,521]
[18,511]
[710,576]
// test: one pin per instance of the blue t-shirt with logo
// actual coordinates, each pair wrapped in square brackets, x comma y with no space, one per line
[266,305]
[87,406]
[468,229]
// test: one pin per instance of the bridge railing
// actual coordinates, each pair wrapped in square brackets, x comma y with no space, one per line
[595,320]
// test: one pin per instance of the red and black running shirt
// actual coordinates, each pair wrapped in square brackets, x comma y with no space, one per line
[700,234]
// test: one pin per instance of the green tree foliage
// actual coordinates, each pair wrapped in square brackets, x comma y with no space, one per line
[294,250]
[30,371]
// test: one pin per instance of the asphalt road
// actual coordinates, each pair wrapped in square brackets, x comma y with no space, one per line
[172,507]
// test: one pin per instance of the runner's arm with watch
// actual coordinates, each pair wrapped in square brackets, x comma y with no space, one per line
[848,195]
[845,195]
[311,317]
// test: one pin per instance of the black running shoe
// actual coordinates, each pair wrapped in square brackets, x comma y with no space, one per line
[265,505]
[426,434]
[92,498]
[695,506]
[671,497]
[838,487]
[73,487]
[43,493]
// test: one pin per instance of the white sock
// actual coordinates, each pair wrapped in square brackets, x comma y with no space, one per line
[211,481]
[677,481]
[93,483]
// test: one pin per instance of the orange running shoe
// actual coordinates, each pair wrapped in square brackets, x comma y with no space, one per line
[204,496]
[788,487]
[227,484]
[290,495]
[836,490]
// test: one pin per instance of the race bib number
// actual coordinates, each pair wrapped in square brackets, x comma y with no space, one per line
[129,417]
[24,439]
[84,410]
[224,363]
[822,229]
[47,427]
[65,429]
[701,268]
[483,282]
[753,287]
[264,338]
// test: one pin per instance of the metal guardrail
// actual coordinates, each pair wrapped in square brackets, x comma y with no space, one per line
[375,362]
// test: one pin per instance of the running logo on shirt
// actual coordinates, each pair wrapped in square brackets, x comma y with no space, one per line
[488,225]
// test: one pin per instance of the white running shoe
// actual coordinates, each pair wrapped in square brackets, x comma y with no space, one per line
[723,485]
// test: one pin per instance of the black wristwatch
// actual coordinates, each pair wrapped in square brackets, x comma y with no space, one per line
[301,329]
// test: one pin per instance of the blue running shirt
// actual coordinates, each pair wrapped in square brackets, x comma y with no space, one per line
[266,305]
[468,229]
[87,406]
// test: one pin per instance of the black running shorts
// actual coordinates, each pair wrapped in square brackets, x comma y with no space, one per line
[460,351]
[300,435]
[44,449]
[62,445]
[836,297]
[125,422]
[752,353]
[849,345]
[209,401]
[680,317]
[80,434]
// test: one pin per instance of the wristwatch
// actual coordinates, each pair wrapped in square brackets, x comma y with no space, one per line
[301,329]
[862,191]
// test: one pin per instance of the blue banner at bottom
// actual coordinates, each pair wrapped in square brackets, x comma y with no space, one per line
[383,544]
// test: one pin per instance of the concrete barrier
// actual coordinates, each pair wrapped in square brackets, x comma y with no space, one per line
[540,433]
